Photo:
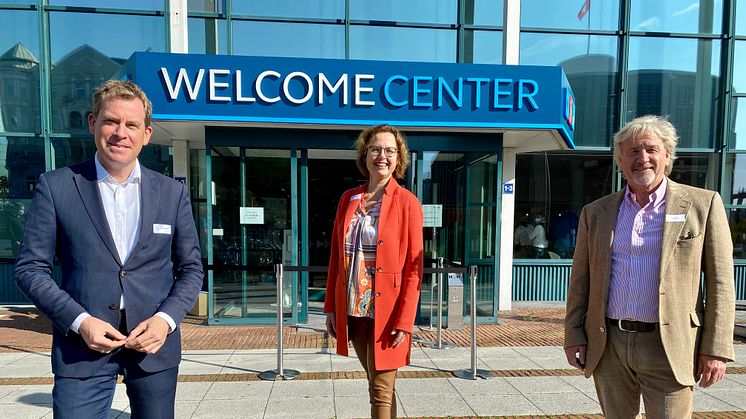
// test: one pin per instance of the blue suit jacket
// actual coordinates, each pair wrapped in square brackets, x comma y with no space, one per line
[163,271]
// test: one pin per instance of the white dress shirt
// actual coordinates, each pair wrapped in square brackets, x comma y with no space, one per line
[121,202]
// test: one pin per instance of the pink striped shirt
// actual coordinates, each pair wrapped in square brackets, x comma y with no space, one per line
[636,256]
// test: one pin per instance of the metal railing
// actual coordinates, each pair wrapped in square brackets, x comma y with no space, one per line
[282,373]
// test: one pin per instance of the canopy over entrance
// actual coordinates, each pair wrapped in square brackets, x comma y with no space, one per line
[532,106]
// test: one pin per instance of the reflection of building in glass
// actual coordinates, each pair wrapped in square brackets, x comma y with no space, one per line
[738,198]
[19,72]
[74,78]
[677,94]
[23,156]
[593,81]
[24,161]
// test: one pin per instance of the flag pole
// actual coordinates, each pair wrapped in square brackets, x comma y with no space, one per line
[588,44]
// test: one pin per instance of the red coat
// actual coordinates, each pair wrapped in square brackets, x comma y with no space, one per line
[399,263]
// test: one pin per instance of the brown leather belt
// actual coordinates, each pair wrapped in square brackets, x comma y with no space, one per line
[632,326]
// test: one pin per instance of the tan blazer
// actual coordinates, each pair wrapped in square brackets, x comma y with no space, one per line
[688,326]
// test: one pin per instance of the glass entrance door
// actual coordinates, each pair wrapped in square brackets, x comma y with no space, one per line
[275,202]
[330,173]
[254,218]
[482,230]
[465,186]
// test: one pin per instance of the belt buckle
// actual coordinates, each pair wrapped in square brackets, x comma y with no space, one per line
[622,327]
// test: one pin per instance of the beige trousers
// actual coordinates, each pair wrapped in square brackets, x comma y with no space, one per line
[634,364]
[380,382]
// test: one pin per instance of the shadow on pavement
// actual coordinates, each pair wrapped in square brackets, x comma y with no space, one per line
[28,320]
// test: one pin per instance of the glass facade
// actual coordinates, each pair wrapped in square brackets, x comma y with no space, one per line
[667,60]
[603,15]
[402,44]
[327,9]
[680,80]
[677,16]
[418,11]
[19,72]
[590,62]
[83,60]
[551,189]
[208,36]
[288,39]
[44,106]
[112,4]
[21,163]
[623,58]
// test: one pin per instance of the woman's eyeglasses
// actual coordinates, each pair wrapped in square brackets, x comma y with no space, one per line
[389,152]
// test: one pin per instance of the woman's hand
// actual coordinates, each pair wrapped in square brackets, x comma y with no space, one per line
[331,324]
[399,336]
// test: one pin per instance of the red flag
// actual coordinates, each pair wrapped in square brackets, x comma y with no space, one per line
[585,9]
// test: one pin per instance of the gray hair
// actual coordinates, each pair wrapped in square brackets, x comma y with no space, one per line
[657,125]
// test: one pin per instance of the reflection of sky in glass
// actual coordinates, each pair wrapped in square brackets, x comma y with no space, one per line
[428,158]
[113,4]
[197,29]
[741,17]
[603,14]
[116,36]
[676,16]
[488,47]
[329,9]
[402,44]
[739,132]
[552,49]
[19,26]
[288,39]
[204,6]
[425,11]
[671,54]
[739,64]
[488,12]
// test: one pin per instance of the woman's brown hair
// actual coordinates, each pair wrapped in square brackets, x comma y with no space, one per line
[366,137]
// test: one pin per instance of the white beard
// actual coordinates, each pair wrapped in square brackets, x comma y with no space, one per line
[645,178]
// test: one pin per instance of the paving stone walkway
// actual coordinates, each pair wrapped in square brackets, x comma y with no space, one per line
[219,374]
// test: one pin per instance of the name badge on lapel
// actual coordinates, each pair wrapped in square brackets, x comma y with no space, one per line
[161,229]
[355,197]
[675,218]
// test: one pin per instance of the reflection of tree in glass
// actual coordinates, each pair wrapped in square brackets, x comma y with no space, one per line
[738,231]
[4,187]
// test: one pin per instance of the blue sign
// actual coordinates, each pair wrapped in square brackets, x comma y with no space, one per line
[229,88]
[508,188]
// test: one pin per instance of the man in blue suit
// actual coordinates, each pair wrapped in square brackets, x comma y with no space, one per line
[128,250]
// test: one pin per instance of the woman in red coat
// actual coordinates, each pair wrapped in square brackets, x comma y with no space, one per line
[375,267]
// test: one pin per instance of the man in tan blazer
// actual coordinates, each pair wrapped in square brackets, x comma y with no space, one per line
[638,319]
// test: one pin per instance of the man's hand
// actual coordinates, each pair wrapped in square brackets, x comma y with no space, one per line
[148,336]
[100,336]
[331,324]
[576,356]
[712,369]
[399,336]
